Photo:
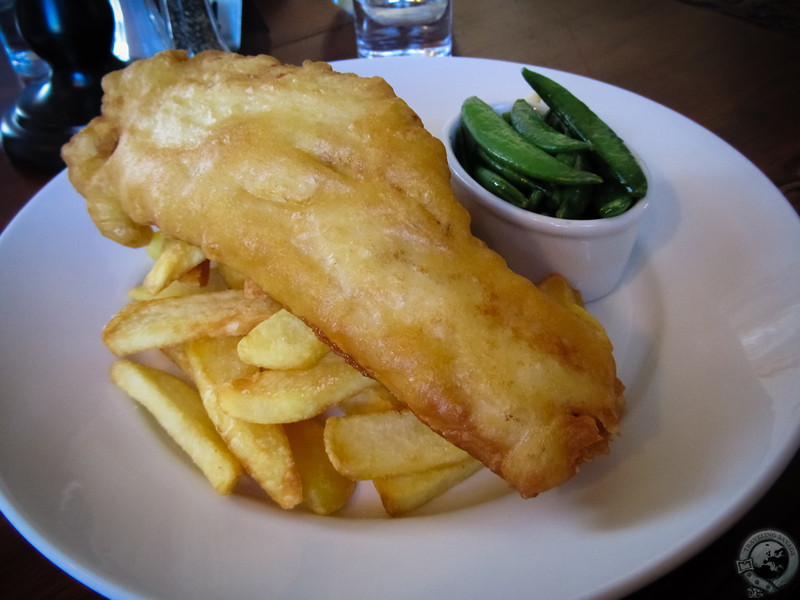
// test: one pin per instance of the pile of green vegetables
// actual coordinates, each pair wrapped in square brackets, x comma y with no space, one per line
[567,164]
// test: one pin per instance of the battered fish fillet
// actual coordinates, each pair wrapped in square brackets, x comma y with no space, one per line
[326,189]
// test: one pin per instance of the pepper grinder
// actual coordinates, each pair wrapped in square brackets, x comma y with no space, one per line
[75,38]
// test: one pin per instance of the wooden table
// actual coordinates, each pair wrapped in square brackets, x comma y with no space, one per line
[736,78]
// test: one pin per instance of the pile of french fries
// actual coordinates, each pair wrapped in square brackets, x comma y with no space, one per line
[259,394]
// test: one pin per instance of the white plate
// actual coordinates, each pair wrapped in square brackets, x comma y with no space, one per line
[706,330]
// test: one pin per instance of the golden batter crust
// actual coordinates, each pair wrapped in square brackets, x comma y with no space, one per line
[326,189]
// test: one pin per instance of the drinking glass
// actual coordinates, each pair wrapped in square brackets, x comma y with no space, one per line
[403,27]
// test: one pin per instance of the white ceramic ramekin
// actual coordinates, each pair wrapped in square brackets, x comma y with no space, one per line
[590,254]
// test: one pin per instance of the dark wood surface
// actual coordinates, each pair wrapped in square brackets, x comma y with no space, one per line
[734,76]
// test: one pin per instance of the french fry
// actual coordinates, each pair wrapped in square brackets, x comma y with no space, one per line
[251,289]
[325,490]
[281,342]
[373,399]
[148,324]
[179,410]
[199,275]
[193,282]
[156,244]
[235,279]
[384,444]
[175,259]
[290,396]
[263,450]
[402,493]
[177,354]
[557,287]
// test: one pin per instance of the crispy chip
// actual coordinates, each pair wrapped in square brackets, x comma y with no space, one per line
[193,282]
[252,289]
[235,279]
[175,259]
[557,287]
[282,342]
[402,493]
[156,245]
[373,399]
[264,450]
[179,410]
[384,444]
[325,490]
[148,324]
[290,396]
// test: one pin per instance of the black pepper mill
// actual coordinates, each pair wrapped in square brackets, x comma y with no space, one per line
[75,38]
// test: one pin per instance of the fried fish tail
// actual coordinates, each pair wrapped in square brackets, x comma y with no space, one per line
[326,189]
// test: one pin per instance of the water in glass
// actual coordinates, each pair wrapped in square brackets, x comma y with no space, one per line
[403,27]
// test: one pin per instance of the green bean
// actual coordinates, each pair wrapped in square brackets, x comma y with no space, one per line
[499,139]
[588,126]
[530,125]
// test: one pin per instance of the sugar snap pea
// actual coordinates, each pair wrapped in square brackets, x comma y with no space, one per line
[491,132]
[530,125]
[523,183]
[588,126]
[615,208]
[611,199]
[459,147]
[551,118]
[535,200]
[575,199]
[500,187]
